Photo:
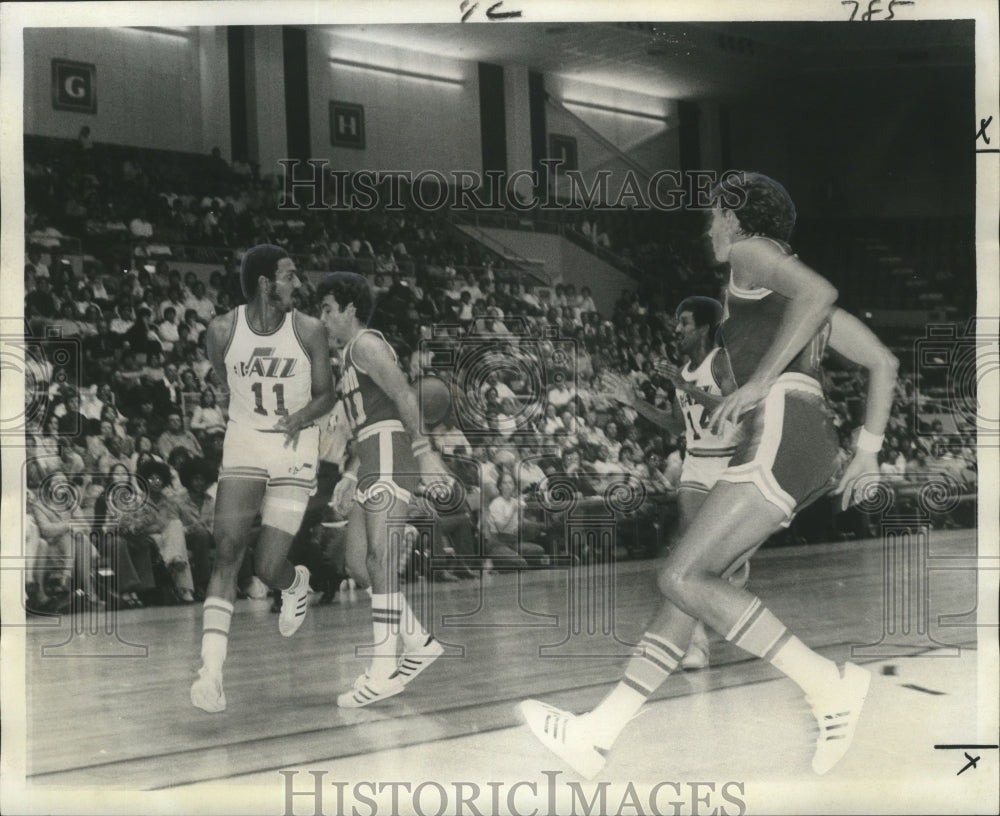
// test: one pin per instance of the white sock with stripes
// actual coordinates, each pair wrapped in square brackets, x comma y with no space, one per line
[385,630]
[759,632]
[217,616]
[410,628]
[643,675]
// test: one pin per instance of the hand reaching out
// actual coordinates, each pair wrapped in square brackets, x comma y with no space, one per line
[743,399]
[343,494]
[619,387]
[667,369]
[860,474]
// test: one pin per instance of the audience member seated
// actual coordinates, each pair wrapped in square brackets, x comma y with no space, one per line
[70,560]
[207,417]
[196,505]
[508,532]
[129,557]
[158,519]
[175,436]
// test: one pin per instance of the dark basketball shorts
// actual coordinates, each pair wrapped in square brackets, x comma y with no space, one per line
[790,446]
[387,468]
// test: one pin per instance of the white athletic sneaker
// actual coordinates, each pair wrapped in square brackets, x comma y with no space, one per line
[696,657]
[564,735]
[294,603]
[414,661]
[837,712]
[207,693]
[368,690]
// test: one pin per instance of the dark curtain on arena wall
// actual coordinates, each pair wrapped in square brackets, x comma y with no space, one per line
[539,131]
[688,117]
[492,117]
[296,57]
[240,143]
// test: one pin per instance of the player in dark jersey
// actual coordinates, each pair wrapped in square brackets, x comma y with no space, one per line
[275,362]
[391,459]
[780,314]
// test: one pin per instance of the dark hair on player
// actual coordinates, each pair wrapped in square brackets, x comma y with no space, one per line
[259,260]
[766,207]
[706,311]
[347,288]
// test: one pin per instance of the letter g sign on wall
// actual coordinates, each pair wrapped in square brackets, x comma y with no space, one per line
[74,86]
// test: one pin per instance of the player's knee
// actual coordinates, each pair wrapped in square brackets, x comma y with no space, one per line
[667,581]
[675,582]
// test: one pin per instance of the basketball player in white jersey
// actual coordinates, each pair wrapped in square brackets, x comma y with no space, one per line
[707,453]
[275,362]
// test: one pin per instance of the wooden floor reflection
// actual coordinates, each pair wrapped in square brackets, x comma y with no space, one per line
[111,711]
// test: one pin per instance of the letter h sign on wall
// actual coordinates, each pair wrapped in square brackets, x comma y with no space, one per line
[347,125]
[74,86]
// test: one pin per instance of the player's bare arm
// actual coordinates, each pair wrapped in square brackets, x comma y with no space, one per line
[853,339]
[343,491]
[673,373]
[757,262]
[216,339]
[672,420]
[699,396]
[317,346]
[665,419]
[722,371]
[665,368]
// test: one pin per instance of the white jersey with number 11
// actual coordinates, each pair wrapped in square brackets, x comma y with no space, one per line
[269,375]
[700,439]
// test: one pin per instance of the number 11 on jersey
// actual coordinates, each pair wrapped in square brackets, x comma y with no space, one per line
[279,396]
[355,409]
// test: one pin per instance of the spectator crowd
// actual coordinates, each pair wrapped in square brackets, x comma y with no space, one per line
[124,440]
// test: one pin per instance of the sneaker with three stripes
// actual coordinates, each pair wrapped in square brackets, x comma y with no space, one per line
[565,735]
[367,690]
[837,712]
[294,603]
[414,661]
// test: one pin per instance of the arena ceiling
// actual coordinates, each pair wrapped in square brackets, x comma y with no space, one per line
[688,60]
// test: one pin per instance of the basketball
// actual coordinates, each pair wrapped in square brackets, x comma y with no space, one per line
[435,402]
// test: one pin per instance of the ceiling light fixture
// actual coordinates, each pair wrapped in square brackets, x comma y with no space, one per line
[384,69]
[657,117]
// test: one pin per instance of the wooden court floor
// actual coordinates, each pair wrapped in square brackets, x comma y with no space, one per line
[108,709]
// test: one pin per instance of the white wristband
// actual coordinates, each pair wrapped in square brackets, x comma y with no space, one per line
[350,475]
[869,442]
[420,447]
